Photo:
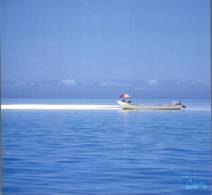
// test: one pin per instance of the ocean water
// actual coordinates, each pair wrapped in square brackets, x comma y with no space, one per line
[108,152]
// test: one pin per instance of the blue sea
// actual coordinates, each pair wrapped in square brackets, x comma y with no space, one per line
[107,152]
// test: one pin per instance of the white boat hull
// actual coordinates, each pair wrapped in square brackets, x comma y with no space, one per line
[129,106]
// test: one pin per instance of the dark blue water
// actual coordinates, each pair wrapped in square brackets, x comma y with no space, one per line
[107,152]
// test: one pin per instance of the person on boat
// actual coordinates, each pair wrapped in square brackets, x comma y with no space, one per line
[129,102]
[176,103]
[124,96]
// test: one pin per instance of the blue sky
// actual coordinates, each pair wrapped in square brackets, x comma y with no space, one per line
[99,48]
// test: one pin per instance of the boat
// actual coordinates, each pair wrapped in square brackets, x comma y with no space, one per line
[130,106]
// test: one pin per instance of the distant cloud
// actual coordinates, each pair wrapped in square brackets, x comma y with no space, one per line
[114,84]
[69,82]
[19,83]
[142,88]
[14,84]
[202,82]
[153,82]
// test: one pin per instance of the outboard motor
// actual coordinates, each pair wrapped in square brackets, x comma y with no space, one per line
[183,106]
[179,103]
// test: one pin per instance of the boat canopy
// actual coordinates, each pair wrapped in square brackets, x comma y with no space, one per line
[124,95]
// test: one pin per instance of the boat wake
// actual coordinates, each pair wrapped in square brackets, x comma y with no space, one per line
[76,107]
[58,107]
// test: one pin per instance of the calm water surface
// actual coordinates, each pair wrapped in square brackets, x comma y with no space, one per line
[86,152]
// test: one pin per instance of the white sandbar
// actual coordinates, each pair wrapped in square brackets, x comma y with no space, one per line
[57,107]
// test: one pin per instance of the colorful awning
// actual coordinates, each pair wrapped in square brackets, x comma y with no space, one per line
[124,95]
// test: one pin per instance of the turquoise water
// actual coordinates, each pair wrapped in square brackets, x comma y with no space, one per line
[86,152]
